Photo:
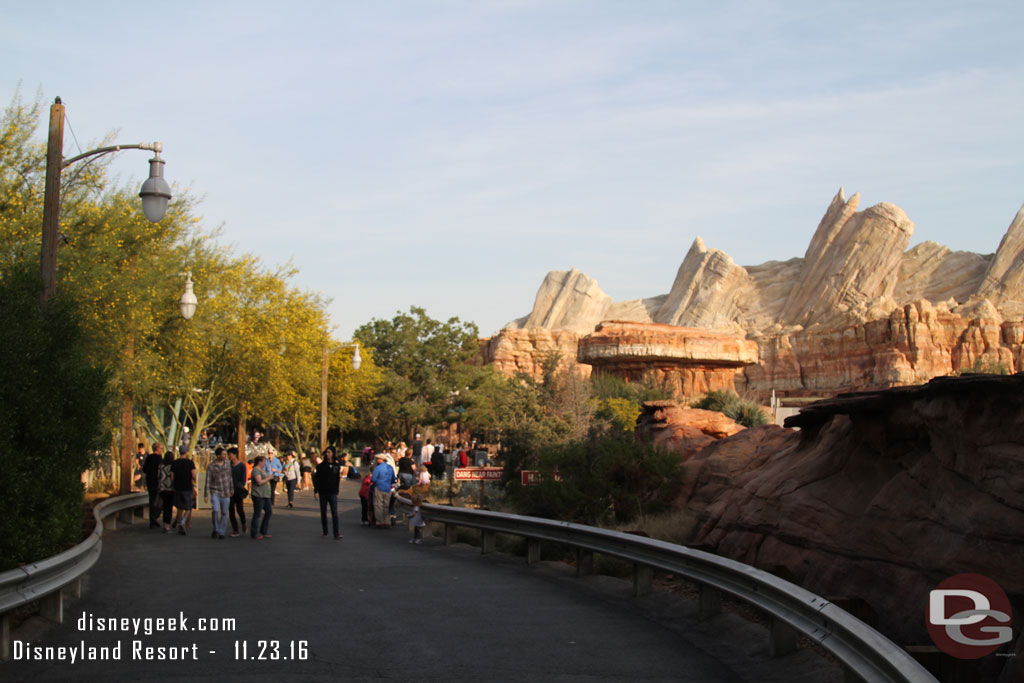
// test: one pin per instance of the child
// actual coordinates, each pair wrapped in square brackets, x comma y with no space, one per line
[364,501]
[416,521]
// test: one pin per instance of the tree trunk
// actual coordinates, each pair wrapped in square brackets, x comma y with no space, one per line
[241,432]
[127,438]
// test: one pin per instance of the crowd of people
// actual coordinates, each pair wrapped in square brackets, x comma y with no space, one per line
[231,479]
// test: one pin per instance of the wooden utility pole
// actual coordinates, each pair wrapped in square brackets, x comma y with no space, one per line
[51,198]
[323,398]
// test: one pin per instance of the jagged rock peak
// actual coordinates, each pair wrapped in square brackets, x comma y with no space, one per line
[852,264]
[706,291]
[1003,282]
[568,300]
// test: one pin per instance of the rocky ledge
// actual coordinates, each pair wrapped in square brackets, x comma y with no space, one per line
[880,495]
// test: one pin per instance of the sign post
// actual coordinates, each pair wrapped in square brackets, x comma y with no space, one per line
[480,474]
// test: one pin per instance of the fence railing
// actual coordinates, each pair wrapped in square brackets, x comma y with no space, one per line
[49,580]
[865,653]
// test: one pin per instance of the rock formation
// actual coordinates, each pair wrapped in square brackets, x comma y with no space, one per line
[1003,283]
[857,311]
[691,361]
[667,424]
[879,496]
[708,291]
[852,265]
[567,300]
[528,350]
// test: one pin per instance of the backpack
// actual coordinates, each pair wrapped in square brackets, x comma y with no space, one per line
[166,479]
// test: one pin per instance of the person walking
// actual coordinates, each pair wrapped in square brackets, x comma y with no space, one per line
[428,455]
[262,503]
[417,451]
[184,472]
[440,461]
[416,520]
[326,480]
[275,469]
[307,470]
[166,486]
[218,490]
[291,476]
[406,472]
[240,478]
[383,479]
[151,469]
[139,461]
[366,499]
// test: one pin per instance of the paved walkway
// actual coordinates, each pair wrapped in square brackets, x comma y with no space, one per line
[374,607]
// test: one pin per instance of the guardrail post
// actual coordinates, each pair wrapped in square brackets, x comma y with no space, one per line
[532,551]
[74,588]
[709,602]
[450,533]
[584,562]
[487,542]
[782,639]
[139,512]
[110,523]
[643,579]
[52,606]
[5,636]
[126,516]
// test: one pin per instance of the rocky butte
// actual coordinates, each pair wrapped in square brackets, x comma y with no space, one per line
[877,498]
[858,311]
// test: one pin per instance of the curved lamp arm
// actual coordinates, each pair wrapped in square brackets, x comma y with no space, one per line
[149,146]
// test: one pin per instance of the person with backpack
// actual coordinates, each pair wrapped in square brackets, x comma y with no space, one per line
[165,485]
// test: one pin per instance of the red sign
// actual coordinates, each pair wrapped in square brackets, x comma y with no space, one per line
[478,473]
[532,477]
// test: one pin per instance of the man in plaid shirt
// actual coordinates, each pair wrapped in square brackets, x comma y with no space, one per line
[220,486]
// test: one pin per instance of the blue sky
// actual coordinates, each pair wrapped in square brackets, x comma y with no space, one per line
[449,154]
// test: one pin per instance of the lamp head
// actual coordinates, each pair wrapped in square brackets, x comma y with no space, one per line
[188,301]
[155,192]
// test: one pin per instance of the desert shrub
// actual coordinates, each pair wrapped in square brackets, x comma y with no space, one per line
[51,403]
[989,366]
[600,481]
[745,412]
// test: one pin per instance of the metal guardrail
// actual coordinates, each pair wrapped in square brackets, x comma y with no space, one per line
[47,579]
[863,651]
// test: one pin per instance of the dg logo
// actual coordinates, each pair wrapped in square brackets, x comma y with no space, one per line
[968,616]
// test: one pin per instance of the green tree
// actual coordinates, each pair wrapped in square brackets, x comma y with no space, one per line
[424,362]
[51,404]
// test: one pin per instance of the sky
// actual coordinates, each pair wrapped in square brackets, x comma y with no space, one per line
[449,154]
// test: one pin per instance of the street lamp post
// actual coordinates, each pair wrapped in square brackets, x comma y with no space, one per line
[155,192]
[357,361]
